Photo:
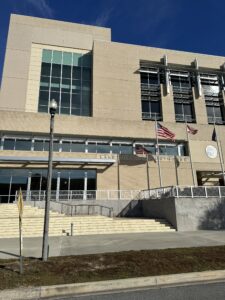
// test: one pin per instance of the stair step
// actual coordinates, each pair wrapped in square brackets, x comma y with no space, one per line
[33,220]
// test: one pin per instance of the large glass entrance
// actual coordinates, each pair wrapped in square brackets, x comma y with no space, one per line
[11,180]
[212,178]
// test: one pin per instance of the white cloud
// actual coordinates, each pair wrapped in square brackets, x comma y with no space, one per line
[42,7]
[104,17]
[33,7]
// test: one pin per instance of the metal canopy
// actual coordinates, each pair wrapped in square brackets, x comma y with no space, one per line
[57,160]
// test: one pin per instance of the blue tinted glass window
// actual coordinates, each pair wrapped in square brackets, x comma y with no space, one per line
[78,147]
[66,146]
[23,145]
[56,70]
[86,60]
[77,58]
[47,56]
[67,58]
[38,145]
[9,144]
[57,57]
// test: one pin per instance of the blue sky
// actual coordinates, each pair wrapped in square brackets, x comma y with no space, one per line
[189,25]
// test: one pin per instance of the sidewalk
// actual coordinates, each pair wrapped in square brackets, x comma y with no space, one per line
[78,245]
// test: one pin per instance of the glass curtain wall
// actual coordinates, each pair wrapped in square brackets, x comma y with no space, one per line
[11,180]
[67,78]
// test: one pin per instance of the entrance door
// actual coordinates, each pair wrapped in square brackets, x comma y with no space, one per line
[212,178]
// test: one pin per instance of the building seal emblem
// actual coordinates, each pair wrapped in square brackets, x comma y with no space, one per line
[211,151]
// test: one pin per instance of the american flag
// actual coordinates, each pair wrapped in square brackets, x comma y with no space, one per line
[139,149]
[165,132]
[191,130]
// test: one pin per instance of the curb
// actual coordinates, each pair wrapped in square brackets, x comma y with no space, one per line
[109,285]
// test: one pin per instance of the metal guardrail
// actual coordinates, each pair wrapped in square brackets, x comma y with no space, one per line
[82,195]
[86,209]
[184,192]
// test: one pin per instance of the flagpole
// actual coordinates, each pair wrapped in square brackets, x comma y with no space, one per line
[157,153]
[218,147]
[176,165]
[21,245]
[189,152]
[118,174]
[20,208]
[148,185]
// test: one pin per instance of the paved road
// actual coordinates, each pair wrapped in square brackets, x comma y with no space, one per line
[77,245]
[206,291]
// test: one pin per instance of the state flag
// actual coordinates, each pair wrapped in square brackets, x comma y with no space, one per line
[191,130]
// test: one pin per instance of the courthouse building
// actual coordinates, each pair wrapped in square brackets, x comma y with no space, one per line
[110,98]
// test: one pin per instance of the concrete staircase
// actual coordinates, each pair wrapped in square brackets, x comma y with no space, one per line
[60,224]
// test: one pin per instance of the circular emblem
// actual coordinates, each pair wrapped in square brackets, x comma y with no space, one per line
[211,151]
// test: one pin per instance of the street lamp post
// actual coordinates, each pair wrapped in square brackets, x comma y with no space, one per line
[52,107]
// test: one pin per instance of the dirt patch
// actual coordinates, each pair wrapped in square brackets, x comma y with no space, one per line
[74,269]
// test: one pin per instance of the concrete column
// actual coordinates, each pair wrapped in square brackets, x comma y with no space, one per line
[57,186]
[168,110]
[85,186]
[28,187]
[200,107]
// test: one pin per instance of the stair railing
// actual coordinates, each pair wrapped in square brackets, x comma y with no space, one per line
[73,209]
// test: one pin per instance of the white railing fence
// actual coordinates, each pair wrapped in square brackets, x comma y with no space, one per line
[82,195]
[184,192]
[157,193]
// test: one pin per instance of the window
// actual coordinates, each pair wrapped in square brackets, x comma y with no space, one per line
[67,78]
[122,148]
[164,149]
[98,147]
[9,144]
[66,146]
[38,145]
[78,147]
[183,97]
[150,94]
[22,144]
[213,98]
[168,150]
[17,144]
[70,144]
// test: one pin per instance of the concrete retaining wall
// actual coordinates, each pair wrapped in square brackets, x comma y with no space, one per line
[200,213]
[160,209]
[188,214]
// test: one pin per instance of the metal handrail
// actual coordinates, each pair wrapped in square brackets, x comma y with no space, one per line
[73,208]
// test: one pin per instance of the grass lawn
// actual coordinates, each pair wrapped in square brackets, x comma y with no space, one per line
[74,269]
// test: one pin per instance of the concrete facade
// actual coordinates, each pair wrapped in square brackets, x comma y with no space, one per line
[116,103]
